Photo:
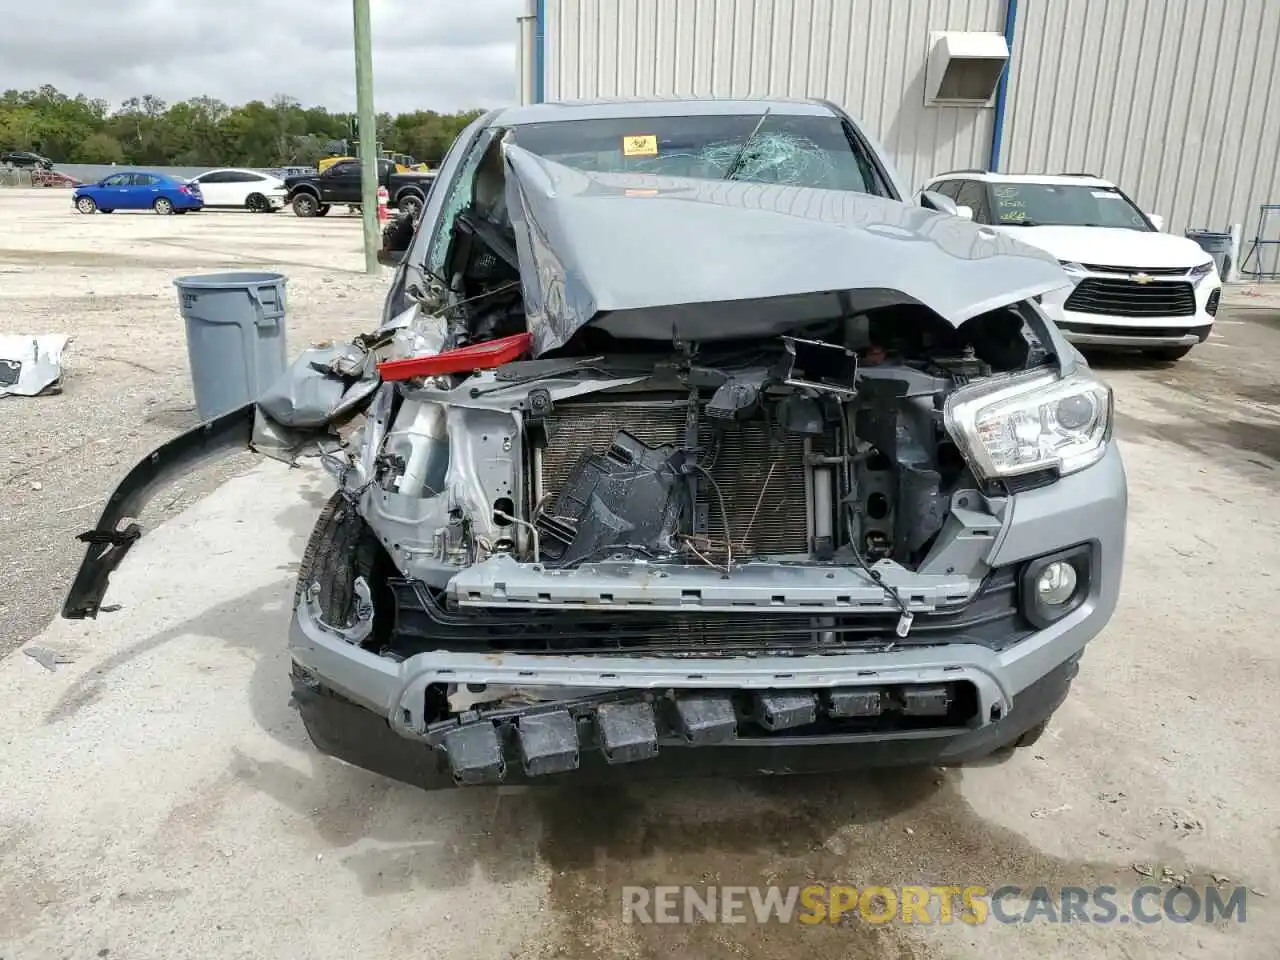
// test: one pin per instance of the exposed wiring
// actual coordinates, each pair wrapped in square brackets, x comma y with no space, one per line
[724,516]
[537,543]
[906,617]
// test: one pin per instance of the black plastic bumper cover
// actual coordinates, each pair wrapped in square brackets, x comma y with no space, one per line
[349,732]
[108,542]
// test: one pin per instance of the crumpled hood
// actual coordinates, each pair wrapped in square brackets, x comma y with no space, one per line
[659,258]
[1112,246]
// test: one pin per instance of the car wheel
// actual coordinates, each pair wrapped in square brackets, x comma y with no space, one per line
[305,205]
[1169,354]
[341,548]
[410,204]
[322,210]
[163,206]
[86,205]
[255,202]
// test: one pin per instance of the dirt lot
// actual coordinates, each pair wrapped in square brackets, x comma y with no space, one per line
[159,789]
[107,281]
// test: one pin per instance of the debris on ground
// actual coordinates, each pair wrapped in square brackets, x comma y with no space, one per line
[49,659]
[31,365]
[1143,870]
[1043,812]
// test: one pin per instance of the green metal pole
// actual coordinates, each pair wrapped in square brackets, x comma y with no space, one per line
[368,136]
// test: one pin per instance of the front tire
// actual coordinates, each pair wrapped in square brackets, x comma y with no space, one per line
[306,205]
[342,548]
[322,210]
[163,206]
[87,205]
[1169,354]
[256,203]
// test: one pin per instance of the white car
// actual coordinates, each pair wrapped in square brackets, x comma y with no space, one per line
[250,190]
[1131,286]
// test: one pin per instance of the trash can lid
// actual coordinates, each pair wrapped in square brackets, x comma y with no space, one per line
[223,281]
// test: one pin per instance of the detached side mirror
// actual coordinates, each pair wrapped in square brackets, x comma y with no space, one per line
[932,200]
[1157,221]
[963,212]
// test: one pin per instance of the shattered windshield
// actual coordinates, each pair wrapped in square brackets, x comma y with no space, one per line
[804,151]
[1066,205]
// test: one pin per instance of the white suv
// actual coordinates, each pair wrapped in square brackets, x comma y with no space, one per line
[1131,285]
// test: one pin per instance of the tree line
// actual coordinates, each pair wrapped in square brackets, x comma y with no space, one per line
[204,131]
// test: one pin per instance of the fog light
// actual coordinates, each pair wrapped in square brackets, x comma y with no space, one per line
[1053,586]
[1056,584]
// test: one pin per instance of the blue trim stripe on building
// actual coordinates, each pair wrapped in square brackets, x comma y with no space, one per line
[539,51]
[997,124]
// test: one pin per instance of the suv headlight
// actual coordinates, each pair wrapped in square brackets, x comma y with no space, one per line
[1008,426]
[1202,271]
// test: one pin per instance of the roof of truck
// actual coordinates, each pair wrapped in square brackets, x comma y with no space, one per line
[655,107]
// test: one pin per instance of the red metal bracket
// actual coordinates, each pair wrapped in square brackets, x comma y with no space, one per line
[479,356]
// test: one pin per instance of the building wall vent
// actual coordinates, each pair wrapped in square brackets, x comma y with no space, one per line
[963,69]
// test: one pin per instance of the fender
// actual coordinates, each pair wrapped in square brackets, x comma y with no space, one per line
[108,543]
[298,188]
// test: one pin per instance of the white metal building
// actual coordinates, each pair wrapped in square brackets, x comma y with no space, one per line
[1170,98]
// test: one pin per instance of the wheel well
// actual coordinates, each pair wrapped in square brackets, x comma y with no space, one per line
[410,192]
[307,189]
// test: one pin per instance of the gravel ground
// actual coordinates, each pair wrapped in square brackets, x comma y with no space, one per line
[158,787]
[107,281]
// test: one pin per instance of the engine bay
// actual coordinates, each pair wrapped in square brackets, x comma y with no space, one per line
[827,448]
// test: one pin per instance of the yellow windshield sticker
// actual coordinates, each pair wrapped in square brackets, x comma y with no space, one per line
[640,145]
[637,192]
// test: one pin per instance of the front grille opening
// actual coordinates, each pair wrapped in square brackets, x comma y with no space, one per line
[425,621]
[1129,271]
[1128,298]
[1100,329]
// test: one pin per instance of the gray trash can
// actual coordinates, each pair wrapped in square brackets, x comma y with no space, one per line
[235,337]
[1217,245]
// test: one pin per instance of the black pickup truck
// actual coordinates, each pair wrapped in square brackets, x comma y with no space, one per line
[312,195]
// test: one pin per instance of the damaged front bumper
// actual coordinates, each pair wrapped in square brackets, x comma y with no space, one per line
[948,696]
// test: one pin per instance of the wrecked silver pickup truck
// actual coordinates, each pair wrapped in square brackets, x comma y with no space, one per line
[686,446]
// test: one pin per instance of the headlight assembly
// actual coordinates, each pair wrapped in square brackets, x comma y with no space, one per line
[1007,426]
[1202,271]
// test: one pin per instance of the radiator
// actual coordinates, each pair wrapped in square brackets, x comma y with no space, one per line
[746,463]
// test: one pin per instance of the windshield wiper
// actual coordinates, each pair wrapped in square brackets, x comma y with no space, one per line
[742,152]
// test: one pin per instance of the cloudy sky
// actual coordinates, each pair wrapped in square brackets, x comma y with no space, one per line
[427,54]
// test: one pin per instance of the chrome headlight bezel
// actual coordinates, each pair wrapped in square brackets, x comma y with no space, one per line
[995,421]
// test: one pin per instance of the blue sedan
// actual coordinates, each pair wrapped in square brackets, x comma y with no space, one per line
[139,191]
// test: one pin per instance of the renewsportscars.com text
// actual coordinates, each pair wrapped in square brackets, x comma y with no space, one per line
[973,904]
